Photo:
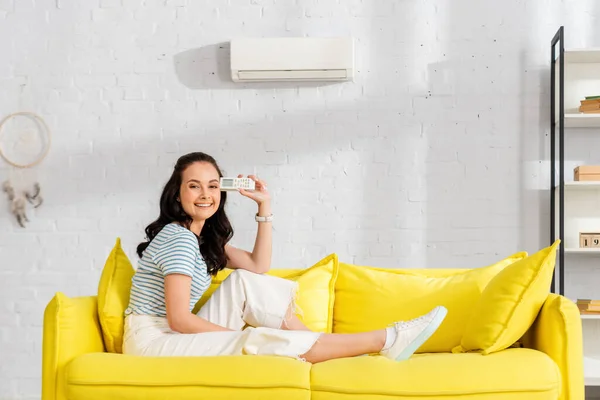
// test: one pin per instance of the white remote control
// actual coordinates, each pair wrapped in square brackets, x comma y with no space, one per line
[237,183]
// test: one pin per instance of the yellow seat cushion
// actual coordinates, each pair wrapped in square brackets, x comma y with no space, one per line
[316,291]
[101,376]
[510,303]
[369,298]
[113,297]
[501,376]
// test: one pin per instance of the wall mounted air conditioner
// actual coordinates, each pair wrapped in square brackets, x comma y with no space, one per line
[292,59]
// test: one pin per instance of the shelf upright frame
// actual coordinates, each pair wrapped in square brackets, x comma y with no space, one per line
[557,39]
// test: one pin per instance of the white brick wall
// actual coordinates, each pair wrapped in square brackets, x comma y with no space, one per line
[400,169]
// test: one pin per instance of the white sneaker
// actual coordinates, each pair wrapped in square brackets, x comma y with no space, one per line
[412,334]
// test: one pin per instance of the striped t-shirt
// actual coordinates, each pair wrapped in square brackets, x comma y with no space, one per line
[174,250]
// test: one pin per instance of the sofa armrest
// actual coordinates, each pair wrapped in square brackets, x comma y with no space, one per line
[557,332]
[71,328]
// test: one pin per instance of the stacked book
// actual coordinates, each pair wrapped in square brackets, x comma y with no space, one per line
[591,105]
[587,306]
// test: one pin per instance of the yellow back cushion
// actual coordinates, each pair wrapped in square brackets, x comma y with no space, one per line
[369,298]
[315,298]
[510,303]
[113,297]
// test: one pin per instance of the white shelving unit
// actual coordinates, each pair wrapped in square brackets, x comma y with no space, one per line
[589,252]
[582,56]
[582,185]
[591,368]
[581,80]
[582,214]
[590,316]
[591,349]
[581,199]
[580,120]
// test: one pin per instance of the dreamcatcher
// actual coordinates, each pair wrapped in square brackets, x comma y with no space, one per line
[24,143]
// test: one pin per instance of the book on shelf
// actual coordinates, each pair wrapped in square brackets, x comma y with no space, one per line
[588,301]
[588,306]
[591,104]
[589,111]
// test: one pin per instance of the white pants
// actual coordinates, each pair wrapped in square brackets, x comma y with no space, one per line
[259,302]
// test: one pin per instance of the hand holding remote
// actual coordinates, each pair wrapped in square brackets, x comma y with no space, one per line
[260,194]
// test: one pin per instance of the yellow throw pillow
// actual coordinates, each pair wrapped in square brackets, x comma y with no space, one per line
[113,297]
[316,293]
[315,297]
[510,303]
[369,298]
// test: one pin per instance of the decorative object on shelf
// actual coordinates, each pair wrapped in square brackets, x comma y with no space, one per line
[589,240]
[23,128]
[591,105]
[587,173]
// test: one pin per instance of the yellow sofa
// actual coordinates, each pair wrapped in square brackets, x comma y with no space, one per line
[544,364]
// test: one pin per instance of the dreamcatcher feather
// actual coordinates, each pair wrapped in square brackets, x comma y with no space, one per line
[19,198]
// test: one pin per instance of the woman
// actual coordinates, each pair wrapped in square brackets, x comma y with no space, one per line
[188,244]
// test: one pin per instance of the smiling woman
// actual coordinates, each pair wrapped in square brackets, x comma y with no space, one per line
[250,312]
[199,197]
[192,199]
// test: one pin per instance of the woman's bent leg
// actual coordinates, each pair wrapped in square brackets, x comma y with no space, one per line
[254,299]
[293,323]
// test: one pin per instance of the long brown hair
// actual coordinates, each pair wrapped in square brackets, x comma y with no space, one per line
[217,230]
